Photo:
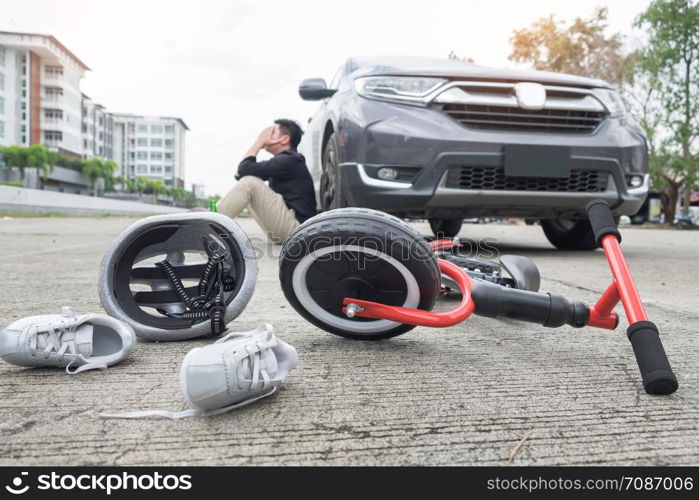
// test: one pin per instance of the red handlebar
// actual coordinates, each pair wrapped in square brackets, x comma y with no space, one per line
[374,310]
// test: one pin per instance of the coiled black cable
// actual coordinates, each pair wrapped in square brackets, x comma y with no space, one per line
[210,301]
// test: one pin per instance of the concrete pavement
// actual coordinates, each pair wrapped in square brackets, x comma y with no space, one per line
[463,395]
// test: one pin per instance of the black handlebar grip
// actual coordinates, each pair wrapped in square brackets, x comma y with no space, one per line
[601,220]
[651,358]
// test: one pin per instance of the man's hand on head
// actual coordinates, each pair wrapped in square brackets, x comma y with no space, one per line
[265,137]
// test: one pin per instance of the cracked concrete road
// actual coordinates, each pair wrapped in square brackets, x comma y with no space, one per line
[464,395]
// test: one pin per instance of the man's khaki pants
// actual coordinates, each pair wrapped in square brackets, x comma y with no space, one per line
[266,206]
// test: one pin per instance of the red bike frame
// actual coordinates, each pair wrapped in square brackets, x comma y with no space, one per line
[601,315]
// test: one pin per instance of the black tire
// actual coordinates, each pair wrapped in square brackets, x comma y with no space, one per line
[637,220]
[569,234]
[446,228]
[331,190]
[411,277]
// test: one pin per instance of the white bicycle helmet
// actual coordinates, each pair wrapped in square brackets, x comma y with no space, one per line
[180,276]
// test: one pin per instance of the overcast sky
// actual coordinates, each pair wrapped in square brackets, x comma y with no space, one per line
[229,67]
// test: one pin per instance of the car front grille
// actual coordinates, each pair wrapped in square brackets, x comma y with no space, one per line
[493,178]
[488,117]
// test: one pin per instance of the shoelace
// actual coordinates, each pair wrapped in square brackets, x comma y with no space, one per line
[254,353]
[53,337]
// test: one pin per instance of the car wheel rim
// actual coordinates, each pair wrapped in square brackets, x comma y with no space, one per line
[328,179]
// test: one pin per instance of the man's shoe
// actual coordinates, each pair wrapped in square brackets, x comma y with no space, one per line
[88,342]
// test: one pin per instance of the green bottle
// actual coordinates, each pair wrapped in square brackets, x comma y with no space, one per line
[212,206]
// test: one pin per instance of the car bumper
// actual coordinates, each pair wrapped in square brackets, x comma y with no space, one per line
[429,195]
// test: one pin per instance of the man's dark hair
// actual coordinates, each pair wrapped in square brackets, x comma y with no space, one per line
[290,128]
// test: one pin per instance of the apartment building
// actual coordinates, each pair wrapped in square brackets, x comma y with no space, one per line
[41,103]
[40,99]
[97,130]
[150,146]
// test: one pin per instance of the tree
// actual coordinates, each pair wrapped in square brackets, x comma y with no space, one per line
[670,63]
[93,170]
[22,158]
[582,48]
[179,195]
[109,168]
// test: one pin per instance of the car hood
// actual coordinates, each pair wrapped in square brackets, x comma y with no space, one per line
[455,69]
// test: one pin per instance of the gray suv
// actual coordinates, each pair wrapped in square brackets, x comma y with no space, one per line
[445,140]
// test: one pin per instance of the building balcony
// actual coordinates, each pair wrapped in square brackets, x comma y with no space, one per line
[52,81]
[52,121]
[52,101]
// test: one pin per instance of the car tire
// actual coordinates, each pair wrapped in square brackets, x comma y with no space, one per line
[637,220]
[446,228]
[331,190]
[567,234]
[360,253]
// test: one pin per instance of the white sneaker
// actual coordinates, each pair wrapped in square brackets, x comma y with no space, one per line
[91,341]
[236,370]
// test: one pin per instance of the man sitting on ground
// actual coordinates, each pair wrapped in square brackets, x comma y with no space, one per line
[289,199]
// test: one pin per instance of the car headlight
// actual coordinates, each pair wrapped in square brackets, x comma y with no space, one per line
[611,101]
[412,89]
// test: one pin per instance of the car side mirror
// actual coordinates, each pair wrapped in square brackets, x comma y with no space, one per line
[315,89]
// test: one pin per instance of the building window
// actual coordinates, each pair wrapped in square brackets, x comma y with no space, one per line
[156,129]
[53,115]
[2,129]
[154,169]
[52,93]
[53,136]
[2,56]
[132,142]
[168,182]
[168,169]
[142,141]
[142,155]
[169,129]
[156,143]
[143,129]
[168,143]
[156,155]
[2,105]
[141,169]
[2,81]
[168,156]
[53,71]
[132,128]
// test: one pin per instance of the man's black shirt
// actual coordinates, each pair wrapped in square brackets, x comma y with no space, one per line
[288,175]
